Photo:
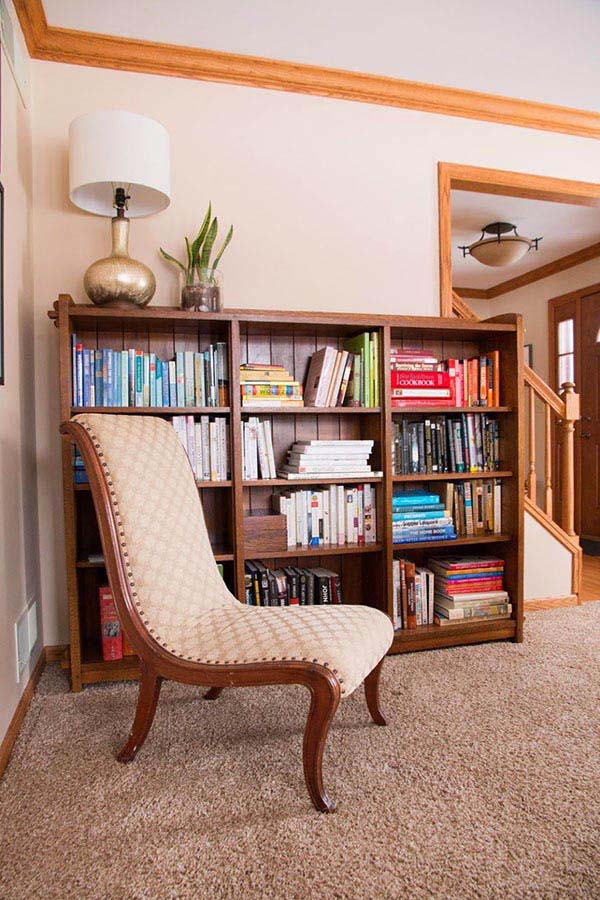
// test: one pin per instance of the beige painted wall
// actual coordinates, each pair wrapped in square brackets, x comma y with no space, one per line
[19,559]
[334,204]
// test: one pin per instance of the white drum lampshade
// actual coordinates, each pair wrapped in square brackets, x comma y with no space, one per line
[113,148]
[118,162]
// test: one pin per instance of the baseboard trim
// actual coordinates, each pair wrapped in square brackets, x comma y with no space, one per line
[10,738]
[56,652]
[551,602]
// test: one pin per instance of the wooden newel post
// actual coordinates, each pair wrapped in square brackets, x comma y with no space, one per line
[571,401]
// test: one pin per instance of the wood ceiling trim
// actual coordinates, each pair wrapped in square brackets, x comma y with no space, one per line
[107,51]
[513,284]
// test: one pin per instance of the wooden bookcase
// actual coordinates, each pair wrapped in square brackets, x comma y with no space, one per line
[290,339]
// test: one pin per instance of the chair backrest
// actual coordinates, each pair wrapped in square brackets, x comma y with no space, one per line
[164,543]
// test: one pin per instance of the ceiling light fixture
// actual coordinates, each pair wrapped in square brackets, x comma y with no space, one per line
[503,248]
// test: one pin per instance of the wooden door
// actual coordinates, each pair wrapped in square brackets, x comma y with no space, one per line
[589,431]
[564,366]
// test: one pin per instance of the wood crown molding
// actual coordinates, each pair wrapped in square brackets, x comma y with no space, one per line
[513,284]
[110,52]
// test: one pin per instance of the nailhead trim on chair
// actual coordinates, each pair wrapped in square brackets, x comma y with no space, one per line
[134,594]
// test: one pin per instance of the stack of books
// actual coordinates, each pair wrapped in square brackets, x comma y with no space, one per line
[420,516]
[439,444]
[291,586]
[263,384]
[476,506]
[329,459]
[258,459]
[205,442]
[136,378]
[347,377]
[469,587]
[336,514]
[413,591]
[419,378]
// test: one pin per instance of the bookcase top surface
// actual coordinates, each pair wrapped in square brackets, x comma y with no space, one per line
[254,319]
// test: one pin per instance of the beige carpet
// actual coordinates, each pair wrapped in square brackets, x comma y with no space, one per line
[486,785]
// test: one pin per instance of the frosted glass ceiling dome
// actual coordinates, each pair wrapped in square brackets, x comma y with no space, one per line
[503,249]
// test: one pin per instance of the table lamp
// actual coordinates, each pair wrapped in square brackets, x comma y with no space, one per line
[119,161]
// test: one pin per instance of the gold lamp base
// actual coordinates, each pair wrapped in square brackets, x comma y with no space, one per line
[118,280]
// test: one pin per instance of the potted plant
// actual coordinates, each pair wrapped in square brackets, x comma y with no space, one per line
[201,280]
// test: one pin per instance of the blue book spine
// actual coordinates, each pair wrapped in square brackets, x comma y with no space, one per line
[165,383]
[131,376]
[98,380]
[493,573]
[159,382]
[407,515]
[87,378]
[74,369]
[117,377]
[415,499]
[139,379]
[146,384]
[172,383]
[105,396]
[79,375]
[110,378]
[180,374]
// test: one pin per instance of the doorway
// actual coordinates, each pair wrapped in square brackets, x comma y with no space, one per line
[574,356]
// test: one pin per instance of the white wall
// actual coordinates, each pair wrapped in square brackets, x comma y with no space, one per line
[547,565]
[19,558]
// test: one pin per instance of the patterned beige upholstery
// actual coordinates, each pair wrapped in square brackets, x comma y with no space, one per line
[174,581]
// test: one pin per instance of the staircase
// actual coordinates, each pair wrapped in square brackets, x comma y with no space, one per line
[549,505]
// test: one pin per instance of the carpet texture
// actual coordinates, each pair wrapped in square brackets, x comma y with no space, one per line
[485,785]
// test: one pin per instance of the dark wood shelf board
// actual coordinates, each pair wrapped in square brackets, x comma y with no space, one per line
[452,410]
[457,542]
[326,550]
[430,637]
[153,410]
[451,476]
[311,410]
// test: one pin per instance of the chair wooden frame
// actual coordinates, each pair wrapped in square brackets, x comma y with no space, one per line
[156,664]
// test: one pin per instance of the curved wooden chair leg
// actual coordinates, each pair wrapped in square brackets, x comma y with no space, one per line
[325,698]
[372,695]
[150,684]
[212,693]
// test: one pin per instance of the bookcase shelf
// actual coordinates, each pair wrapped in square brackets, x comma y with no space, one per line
[153,410]
[289,339]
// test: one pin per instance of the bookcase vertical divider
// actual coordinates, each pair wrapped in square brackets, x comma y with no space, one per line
[69,504]
[386,460]
[235,420]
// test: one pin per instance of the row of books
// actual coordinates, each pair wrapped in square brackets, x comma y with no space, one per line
[419,516]
[206,444]
[291,585]
[448,590]
[419,378]
[336,514]
[438,444]
[329,459]
[135,378]
[258,458]
[272,386]
[475,506]
[345,377]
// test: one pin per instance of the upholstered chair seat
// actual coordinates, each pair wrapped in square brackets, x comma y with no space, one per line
[177,609]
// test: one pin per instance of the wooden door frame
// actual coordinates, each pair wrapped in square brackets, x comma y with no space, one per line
[495,181]
[576,296]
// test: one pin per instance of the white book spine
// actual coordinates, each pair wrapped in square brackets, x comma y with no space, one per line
[213,444]
[292,537]
[341,513]
[191,442]
[124,378]
[262,450]
[198,440]
[326,519]
[497,506]
[325,379]
[205,447]
[270,451]
[360,514]
[333,513]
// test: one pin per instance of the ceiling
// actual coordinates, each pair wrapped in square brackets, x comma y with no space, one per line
[461,44]
[564,229]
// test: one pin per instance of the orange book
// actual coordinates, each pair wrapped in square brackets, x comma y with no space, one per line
[495,354]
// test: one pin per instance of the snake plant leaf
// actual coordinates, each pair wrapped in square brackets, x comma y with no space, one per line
[172,259]
[223,248]
[208,244]
[189,255]
[200,236]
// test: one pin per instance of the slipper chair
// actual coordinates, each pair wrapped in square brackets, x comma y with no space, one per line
[180,617]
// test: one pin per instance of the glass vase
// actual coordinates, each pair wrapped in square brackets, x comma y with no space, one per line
[202,290]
